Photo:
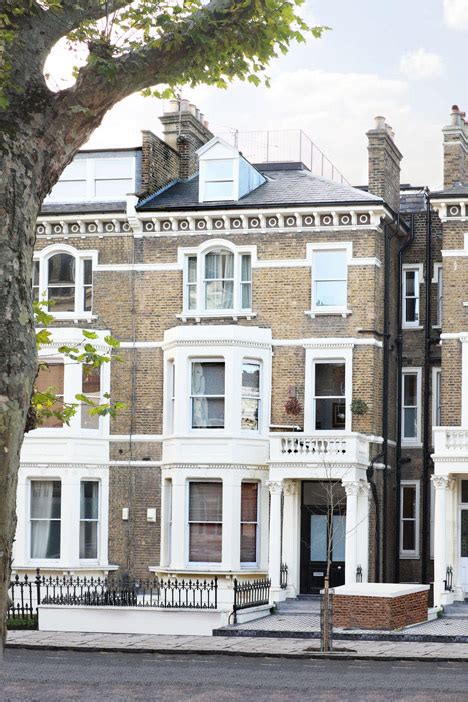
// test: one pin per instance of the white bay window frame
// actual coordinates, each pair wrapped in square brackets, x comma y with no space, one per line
[200,309]
[80,256]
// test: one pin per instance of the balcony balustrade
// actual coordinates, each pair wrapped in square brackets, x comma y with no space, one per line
[451,442]
[319,448]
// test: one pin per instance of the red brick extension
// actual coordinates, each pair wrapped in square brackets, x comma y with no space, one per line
[379,612]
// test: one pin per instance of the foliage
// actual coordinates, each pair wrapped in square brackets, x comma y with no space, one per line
[359,407]
[46,403]
[22,623]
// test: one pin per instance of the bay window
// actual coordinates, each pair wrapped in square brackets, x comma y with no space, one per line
[329,279]
[218,280]
[207,394]
[249,523]
[45,518]
[250,395]
[89,519]
[205,522]
[329,396]
[409,519]
[51,377]
[91,387]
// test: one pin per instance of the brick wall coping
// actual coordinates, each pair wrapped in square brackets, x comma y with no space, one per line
[379,589]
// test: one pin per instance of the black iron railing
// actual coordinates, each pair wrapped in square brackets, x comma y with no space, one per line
[359,574]
[250,593]
[448,582]
[169,593]
[284,576]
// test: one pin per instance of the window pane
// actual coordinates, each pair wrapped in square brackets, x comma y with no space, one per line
[330,294]
[464,533]
[411,310]
[62,270]
[251,379]
[219,170]
[89,500]
[45,499]
[339,537]
[410,390]
[409,543]
[330,379]
[88,272]
[208,379]
[91,380]
[207,413]
[115,187]
[330,265]
[330,414]
[464,490]
[219,264]
[51,377]
[248,546]
[219,190]
[249,502]
[63,299]
[246,272]
[219,295]
[45,539]
[88,539]
[246,296]
[206,502]
[192,297]
[35,273]
[410,283]
[192,269]
[318,537]
[409,502]
[409,423]
[206,543]
[249,413]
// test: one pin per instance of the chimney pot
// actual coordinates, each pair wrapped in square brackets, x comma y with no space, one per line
[380,122]
[173,106]
[184,106]
[193,109]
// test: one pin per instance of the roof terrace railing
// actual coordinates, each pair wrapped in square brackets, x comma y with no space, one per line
[283,145]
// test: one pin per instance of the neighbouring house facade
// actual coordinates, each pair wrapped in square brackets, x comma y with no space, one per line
[287,350]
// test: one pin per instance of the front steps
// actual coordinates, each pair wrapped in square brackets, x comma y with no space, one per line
[457,610]
[303,604]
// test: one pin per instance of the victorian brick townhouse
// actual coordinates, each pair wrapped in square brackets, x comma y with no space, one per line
[292,346]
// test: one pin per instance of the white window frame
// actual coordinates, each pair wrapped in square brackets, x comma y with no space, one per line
[411,441]
[171,395]
[312,249]
[251,564]
[43,479]
[211,359]
[98,520]
[210,564]
[90,179]
[80,256]
[314,355]
[410,553]
[200,253]
[438,281]
[436,395]
[257,362]
[416,268]
[233,181]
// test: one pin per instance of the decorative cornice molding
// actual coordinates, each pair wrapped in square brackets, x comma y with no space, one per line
[60,466]
[442,482]
[215,342]
[202,467]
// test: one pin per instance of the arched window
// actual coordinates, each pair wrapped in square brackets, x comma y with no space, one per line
[61,282]
[218,279]
[64,276]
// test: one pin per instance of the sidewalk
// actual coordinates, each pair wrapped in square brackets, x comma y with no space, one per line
[232,646]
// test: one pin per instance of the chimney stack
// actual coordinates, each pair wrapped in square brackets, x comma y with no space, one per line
[455,148]
[185,130]
[384,163]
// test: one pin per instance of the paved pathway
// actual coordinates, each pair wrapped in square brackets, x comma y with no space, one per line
[266,647]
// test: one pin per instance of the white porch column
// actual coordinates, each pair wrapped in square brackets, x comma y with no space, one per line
[441,484]
[291,535]
[352,491]
[276,490]
[362,557]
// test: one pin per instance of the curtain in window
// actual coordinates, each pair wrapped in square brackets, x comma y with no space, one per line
[89,515]
[205,518]
[199,404]
[208,395]
[219,280]
[45,519]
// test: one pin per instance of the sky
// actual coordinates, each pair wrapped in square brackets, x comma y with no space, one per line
[403,59]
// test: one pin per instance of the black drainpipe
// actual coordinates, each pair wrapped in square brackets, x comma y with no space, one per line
[399,351]
[375,497]
[427,438]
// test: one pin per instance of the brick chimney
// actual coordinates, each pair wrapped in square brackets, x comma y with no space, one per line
[384,163]
[455,148]
[185,130]
[174,156]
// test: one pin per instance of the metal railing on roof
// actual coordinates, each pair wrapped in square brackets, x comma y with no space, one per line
[284,145]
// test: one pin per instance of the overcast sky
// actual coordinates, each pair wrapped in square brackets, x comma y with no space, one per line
[404,59]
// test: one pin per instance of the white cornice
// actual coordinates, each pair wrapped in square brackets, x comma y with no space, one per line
[323,342]
[199,467]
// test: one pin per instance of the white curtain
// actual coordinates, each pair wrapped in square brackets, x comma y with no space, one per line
[219,275]
[41,515]
[199,404]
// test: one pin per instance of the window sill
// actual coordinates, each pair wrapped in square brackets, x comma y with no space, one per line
[411,444]
[409,556]
[67,568]
[408,327]
[327,312]
[437,326]
[73,316]
[222,314]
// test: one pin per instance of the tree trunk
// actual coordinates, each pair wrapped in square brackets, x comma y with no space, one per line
[20,200]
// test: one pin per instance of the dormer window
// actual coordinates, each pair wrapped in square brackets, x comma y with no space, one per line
[224,173]
[218,280]
[219,180]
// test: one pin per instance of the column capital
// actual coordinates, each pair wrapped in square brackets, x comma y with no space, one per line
[290,487]
[442,482]
[352,487]
[275,487]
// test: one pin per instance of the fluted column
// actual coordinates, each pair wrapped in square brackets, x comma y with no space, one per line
[276,490]
[352,489]
[442,484]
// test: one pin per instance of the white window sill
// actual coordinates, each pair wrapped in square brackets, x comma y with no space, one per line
[67,568]
[216,314]
[437,326]
[411,444]
[75,316]
[412,327]
[406,556]
[328,311]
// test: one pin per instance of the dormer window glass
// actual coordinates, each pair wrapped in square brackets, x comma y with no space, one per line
[219,180]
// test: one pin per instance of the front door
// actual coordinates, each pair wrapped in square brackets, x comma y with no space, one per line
[323,529]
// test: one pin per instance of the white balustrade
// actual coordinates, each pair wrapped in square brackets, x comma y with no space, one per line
[345,448]
[450,441]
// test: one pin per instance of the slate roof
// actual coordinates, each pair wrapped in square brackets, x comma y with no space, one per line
[457,190]
[282,187]
[412,201]
[82,207]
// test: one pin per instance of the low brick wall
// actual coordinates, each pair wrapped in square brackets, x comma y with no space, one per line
[361,612]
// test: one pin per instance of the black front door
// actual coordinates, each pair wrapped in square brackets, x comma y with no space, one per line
[323,526]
